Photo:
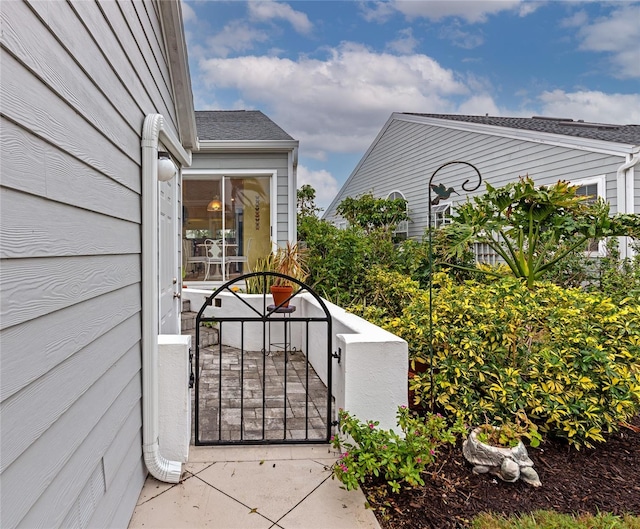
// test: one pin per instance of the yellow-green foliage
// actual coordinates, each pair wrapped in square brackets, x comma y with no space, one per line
[569,359]
[388,294]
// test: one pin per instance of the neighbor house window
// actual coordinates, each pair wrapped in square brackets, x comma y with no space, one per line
[593,189]
[402,229]
[440,215]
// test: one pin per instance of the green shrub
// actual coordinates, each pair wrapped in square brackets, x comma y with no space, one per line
[399,459]
[569,359]
[339,259]
[388,294]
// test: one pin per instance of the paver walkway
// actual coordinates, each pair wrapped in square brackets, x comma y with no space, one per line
[254,487]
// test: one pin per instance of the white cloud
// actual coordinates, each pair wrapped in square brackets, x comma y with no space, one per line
[235,37]
[473,11]
[479,105]
[377,11]
[325,185]
[265,11]
[578,19]
[338,104]
[188,14]
[617,34]
[405,43]
[592,106]
[461,38]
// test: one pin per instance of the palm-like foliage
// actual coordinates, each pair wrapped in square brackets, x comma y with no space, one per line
[532,228]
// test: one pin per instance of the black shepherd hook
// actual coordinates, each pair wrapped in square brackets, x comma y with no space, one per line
[442,193]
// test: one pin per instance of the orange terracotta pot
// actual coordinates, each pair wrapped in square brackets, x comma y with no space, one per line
[280,293]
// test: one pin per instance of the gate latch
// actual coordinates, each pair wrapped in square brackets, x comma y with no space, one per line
[192,377]
[337,355]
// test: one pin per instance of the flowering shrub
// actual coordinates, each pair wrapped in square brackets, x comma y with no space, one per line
[384,453]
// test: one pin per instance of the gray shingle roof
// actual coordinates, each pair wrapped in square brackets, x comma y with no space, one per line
[237,125]
[596,131]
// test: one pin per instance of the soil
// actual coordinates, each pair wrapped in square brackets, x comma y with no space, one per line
[604,479]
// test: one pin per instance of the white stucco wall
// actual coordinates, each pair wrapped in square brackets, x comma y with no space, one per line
[174,396]
[370,378]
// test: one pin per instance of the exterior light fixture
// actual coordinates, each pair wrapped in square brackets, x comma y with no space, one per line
[214,205]
[166,167]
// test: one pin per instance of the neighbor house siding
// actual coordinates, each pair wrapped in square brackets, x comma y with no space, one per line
[77,81]
[277,162]
[407,153]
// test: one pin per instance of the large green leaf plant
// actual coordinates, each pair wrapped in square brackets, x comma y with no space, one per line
[532,227]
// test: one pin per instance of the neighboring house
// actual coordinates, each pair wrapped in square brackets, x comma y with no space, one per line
[602,159]
[89,250]
[240,192]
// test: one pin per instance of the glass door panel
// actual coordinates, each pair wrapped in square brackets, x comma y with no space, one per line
[234,213]
[248,222]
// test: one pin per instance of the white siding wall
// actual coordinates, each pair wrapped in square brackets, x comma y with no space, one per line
[408,153]
[255,162]
[77,81]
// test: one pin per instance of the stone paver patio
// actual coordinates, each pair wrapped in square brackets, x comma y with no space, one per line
[295,399]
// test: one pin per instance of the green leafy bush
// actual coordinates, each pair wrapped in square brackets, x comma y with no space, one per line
[399,459]
[569,359]
[339,259]
[388,294]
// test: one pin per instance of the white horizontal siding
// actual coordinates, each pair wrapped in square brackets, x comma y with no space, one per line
[40,463]
[78,79]
[34,166]
[86,321]
[122,416]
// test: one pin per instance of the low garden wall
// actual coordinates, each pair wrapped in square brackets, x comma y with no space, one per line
[370,373]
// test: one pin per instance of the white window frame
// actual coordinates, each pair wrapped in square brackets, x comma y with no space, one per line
[441,210]
[601,182]
[403,226]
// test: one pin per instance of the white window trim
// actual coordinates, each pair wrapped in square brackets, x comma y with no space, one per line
[206,174]
[444,205]
[601,182]
[403,226]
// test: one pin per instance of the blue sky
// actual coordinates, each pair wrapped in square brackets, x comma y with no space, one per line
[330,73]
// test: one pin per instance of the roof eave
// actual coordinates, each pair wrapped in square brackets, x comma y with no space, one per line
[176,46]
[606,147]
[248,145]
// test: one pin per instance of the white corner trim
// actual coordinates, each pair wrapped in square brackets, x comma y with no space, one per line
[292,183]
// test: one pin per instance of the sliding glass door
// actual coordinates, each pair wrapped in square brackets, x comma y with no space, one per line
[226,225]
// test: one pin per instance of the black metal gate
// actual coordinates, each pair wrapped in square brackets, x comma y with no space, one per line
[268,379]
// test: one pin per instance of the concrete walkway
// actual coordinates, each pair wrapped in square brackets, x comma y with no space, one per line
[254,487]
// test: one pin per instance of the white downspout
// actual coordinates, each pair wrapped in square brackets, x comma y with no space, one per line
[625,184]
[153,130]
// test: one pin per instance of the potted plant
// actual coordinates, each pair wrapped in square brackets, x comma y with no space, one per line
[289,260]
[499,450]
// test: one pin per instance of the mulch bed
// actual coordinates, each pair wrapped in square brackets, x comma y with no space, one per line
[606,479]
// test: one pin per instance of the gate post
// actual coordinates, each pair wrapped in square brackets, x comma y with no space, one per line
[174,400]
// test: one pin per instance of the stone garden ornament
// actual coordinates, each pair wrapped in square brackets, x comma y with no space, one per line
[508,463]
